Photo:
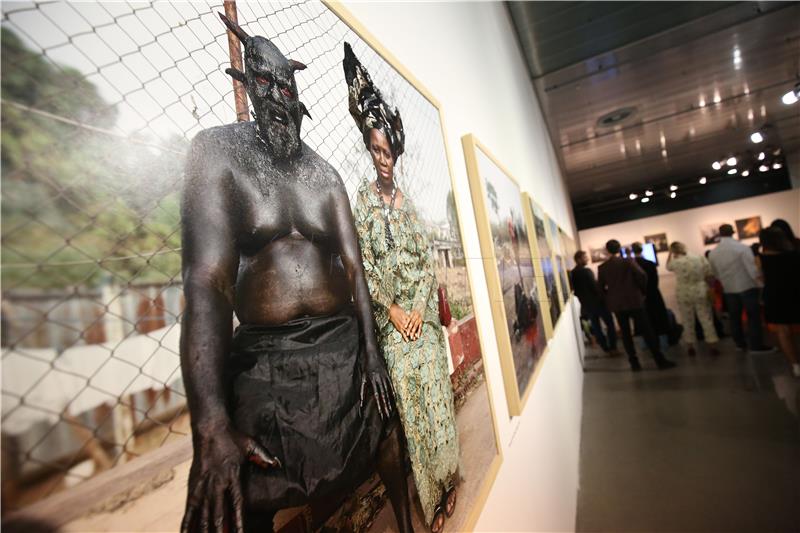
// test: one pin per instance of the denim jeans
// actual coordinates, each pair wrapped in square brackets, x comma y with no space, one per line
[597,329]
[749,301]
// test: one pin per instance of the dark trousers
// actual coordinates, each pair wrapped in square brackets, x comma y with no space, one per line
[639,316]
[597,329]
[749,301]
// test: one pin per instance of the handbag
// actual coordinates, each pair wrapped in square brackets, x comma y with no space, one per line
[445,316]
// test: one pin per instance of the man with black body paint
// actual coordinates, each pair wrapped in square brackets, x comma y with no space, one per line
[297,402]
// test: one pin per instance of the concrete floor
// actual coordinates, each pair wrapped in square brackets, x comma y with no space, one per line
[713,445]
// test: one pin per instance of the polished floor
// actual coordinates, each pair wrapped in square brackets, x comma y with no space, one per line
[712,445]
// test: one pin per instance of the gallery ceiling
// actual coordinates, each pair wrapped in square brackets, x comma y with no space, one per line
[680,84]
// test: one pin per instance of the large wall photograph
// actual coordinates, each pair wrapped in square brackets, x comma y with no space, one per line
[497,201]
[92,277]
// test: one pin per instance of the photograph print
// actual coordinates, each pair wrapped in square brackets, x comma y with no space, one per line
[659,240]
[748,228]
[598,255]
[543,262]
[503,236]
[137,132]
[710,233]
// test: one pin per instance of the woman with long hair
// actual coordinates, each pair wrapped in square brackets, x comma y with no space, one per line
[396,253]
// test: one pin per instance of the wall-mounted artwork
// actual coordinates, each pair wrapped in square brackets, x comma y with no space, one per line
[660,241]
[710,233]
[538,242]
[748,228]
[598,255]
[545,258]
[563,278]
[508,264]
[148,111]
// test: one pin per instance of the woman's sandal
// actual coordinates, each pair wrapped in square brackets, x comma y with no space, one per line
[450,499]
[437,524]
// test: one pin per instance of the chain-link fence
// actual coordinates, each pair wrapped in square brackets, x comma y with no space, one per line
[99,103]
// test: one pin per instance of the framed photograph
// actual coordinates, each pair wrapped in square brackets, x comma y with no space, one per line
[122,292]
[508,264]
[558,261]
[598,255]
[659,240]
[748,228]
[542,266]
[710,233]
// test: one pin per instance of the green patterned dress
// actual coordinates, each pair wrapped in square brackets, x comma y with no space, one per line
[418,369]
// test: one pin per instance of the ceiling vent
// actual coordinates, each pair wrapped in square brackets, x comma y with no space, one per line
[615,117]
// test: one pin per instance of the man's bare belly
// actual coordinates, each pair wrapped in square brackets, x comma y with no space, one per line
[289,278]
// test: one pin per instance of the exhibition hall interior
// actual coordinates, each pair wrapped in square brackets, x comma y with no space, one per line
[321,266]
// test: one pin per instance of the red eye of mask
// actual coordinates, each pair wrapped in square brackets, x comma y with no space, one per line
[286,92]
[262,80]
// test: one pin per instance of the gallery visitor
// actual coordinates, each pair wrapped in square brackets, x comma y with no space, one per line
[784,226]
[780,267]
[593,306]
[264,397]
[400,273]
[624,284]
[692,275]
[653,300]
[734,265]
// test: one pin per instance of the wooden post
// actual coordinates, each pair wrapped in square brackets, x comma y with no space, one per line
[239,92]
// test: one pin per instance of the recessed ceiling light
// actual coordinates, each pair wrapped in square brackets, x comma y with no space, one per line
[645,200]
[763,168]
[703,180]
[673,187]
[756,137]
[715,165]
[648,192]
[761,156]
[717,97]
[776,165]
[732,171]
[792,96]
[745,173]
[633,196]
[731,161]
[673,194]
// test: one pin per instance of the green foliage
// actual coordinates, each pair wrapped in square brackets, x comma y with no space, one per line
[79,206]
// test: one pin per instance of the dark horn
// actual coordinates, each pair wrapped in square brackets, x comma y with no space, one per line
[233,27]
[296,65]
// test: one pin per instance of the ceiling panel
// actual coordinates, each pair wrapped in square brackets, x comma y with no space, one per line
[700,83]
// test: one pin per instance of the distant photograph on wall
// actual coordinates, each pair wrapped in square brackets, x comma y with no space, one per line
[521,336]
[710,233]
[562,276]
[660,240]
[748,228]
[546,260]
[598,255]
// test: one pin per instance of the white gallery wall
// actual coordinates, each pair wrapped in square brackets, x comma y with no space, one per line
[466,55]
[685,226]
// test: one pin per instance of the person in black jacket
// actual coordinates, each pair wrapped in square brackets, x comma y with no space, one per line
[653,301]
[592,305]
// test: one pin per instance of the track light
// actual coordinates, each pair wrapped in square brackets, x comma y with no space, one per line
[648,192]
[715,165]
[633,196]
[703,180]
[745,173]
[732,171]
[756,137]
[792,96]
[673,187]
[645,200]
[731,162]
[673,194]
[761,156]
[763,168]
[776,165]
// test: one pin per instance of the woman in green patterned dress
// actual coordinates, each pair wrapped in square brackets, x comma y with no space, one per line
[400,274]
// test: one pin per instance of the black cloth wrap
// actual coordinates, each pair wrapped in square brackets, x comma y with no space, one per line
[295,390]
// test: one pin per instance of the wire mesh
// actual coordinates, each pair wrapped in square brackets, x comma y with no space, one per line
[99,103]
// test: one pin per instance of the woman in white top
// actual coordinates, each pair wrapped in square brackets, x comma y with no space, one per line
[691,276]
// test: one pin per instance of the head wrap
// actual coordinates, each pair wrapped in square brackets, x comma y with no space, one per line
[367,106]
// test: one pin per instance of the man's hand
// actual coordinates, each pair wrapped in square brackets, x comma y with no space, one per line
[400,320]
[215,502]
[377,377]
[413,327]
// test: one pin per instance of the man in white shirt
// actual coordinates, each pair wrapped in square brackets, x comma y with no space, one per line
[734,265]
